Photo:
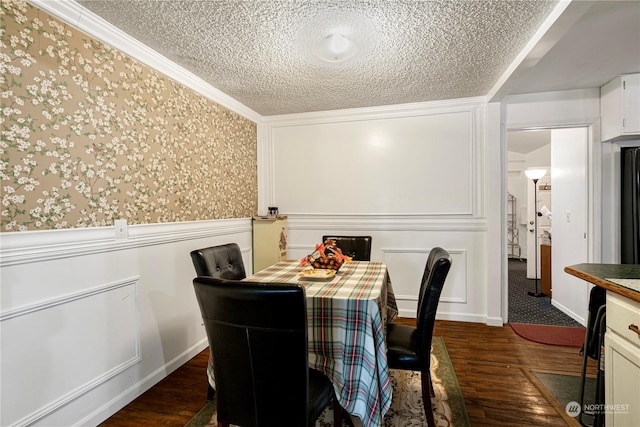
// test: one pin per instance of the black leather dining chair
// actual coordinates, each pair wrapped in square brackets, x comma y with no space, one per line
[223,261]
[356,247]
[258,339]
[409,348]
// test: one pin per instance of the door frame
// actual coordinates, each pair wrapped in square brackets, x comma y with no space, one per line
[593,183]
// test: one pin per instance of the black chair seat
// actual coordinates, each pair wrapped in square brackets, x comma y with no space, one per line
[402,347]
[320,393]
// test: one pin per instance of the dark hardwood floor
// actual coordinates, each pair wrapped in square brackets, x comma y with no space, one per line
[491,363]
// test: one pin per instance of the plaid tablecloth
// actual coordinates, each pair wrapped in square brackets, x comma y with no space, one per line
[347,318]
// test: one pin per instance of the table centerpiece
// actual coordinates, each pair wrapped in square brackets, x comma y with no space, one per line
[327,256]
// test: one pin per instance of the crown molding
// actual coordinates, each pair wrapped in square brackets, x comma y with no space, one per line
[88,22]
[378,112]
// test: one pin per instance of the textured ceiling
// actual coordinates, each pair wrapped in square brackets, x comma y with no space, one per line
[259,52]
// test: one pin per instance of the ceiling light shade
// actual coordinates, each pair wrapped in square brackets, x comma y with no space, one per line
[535,173]
[335,48]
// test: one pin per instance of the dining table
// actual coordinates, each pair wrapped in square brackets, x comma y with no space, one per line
[347,318]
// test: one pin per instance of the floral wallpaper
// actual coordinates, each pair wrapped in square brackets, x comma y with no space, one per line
[90,135]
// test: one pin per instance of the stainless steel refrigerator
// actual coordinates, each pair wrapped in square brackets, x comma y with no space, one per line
[630,206]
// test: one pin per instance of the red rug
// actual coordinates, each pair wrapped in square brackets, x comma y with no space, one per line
[553,335]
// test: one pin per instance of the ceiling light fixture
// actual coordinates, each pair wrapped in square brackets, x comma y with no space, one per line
[335,48]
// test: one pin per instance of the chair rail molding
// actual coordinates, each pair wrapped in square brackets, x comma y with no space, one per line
[395,222]
[35,246]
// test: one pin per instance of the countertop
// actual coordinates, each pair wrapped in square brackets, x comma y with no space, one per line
[623,279]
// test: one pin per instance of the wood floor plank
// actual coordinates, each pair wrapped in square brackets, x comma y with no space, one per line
[491,364]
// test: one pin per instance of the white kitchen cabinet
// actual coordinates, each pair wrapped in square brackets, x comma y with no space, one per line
[620,108]
[269,241]
[622,362]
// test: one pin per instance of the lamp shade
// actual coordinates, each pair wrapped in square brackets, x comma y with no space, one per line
[535,173]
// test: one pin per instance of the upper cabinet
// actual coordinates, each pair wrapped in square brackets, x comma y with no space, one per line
[620,108]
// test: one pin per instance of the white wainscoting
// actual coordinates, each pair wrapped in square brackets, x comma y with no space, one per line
[403,245]
[412,176]
[403,262]
[89,322]
[74,343]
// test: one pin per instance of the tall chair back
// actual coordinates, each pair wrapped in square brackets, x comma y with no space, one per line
[409,347]
[357,247]
[258,339]
[223,261]
[435,274]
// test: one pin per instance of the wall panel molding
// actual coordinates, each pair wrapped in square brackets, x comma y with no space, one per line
[457,278]
[43,305]
[35,246]
[396,180]
[127,396]
[100,323]
[63,400]
[302,128]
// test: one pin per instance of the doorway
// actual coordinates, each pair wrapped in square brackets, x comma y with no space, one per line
[563,190]
[529,149]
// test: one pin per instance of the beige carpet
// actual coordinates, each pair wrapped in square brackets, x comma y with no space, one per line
[407,409]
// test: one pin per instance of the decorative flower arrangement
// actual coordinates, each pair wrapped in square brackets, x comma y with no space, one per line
[326,256]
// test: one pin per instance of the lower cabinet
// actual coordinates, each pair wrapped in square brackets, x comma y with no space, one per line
[622,362]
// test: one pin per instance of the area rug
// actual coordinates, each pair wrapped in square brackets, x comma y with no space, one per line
[561,390]
[407,409]
[552,335]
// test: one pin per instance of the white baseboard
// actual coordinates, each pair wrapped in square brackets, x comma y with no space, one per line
[568,312]
[457,317]
[123,399]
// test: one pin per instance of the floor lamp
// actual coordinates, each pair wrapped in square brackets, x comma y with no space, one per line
[535,175]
